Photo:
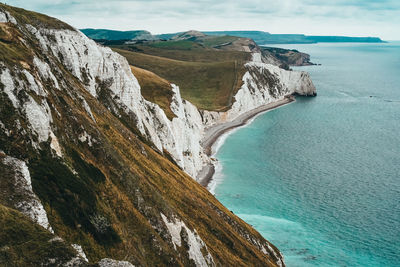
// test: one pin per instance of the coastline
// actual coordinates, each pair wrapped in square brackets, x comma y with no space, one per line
[213,133]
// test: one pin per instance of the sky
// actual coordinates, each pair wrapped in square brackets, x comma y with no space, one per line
[312,17]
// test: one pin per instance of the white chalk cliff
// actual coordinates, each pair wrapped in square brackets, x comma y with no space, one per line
[263,83]
[99,68]
[95,65]
[64,60]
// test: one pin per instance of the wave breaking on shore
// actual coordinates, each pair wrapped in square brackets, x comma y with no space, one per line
[212,175]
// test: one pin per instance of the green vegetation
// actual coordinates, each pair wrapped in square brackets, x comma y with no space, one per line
[25,243]
[114,35]
[107,194]
[219,40]
[207,77]
[155,89]
[35,19]
[263,38]
[194,43]
[178,45]
[208,85]
[72,196]
[197,52]
[12,50]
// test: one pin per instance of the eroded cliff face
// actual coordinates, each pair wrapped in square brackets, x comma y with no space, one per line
[84,156]
[107,76]
[263,83]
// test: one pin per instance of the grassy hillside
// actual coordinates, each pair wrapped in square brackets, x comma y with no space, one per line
[23,243]
[35,19]
[124,181]
[173,50]
[115,35]
[262,38]
[155,89]
[106,191]
[208,69]
[207,84]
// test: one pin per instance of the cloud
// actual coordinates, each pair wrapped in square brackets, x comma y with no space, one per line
[339,17]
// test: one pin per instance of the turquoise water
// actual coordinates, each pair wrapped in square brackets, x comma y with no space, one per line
[320,178]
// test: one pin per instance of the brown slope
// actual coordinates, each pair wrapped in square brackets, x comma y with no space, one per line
[208,85]
[107,192]
[155,89]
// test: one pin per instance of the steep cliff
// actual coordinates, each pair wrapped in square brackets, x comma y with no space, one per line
[263,83]
[95,165]
[249,82]
[107,77]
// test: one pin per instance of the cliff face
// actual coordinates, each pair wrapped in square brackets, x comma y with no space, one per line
[115,86]
[263,83]
[88,159]
[107,76]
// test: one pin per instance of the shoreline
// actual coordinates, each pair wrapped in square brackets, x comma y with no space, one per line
[213,133]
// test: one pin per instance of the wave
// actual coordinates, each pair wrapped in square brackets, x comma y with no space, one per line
[264,218]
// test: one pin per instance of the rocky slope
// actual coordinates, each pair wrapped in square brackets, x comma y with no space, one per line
[89,168]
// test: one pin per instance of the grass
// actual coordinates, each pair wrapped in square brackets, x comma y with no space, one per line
[24,243]
[207,78]
[213,41]
[131,188]
[12,50]
[129,183]
[195,43]
[71,196]
[198,53]
[35,19]
[119,178]
[178,45]
[155,89]
[165,187]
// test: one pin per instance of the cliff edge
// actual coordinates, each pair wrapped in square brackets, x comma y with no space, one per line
[92,172]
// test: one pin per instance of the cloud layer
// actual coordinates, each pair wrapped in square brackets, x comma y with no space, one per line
[334,17]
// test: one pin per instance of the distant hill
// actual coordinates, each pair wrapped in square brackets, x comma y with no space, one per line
[261,38]
[104,34]
[344,39]
[188,35]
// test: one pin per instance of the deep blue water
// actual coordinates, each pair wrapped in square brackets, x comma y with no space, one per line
[320,178]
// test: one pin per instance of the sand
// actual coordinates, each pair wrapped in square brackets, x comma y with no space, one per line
[212,134]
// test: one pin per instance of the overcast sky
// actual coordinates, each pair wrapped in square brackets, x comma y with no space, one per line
[314,17]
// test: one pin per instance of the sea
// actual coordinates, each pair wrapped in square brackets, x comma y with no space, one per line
[320,177]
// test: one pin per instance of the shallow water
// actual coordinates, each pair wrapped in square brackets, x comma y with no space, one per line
[320,178]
